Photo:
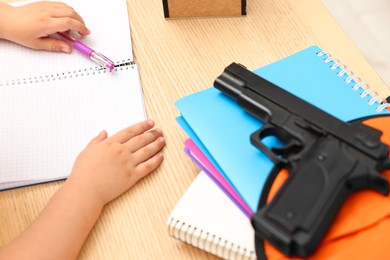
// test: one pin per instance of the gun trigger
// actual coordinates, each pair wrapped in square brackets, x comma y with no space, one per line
[293,146]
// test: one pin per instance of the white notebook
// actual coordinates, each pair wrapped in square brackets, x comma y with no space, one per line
[53,104]
[207,219]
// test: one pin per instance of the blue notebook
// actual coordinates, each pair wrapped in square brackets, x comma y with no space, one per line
[221,128]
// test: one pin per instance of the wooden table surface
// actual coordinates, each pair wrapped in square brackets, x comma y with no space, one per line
[176,58]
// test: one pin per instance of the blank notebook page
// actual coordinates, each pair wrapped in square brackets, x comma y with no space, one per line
[53,104]
[45,125]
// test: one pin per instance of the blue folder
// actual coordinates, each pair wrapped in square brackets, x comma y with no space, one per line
[221,128]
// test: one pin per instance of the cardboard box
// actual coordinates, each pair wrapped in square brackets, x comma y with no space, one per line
[203,8]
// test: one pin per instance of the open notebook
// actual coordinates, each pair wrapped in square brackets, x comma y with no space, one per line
[53,104]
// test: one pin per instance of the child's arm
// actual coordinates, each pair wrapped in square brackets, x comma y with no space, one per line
[31,24]
[105,169]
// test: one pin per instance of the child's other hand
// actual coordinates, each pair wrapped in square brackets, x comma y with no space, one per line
[31,24]
[107,167]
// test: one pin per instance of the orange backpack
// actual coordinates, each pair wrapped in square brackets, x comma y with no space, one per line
[361,228]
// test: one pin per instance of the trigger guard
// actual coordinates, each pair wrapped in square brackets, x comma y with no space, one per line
[262,133]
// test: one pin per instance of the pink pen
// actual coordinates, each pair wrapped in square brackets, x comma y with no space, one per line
[95,56]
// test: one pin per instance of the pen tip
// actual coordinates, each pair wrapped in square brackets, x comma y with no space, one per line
[110,66]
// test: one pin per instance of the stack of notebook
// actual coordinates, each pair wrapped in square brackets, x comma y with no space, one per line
[214,213]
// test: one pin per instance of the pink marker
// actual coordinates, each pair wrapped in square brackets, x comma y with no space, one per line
[95,56]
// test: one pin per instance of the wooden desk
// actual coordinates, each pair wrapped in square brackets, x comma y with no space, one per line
[176,58]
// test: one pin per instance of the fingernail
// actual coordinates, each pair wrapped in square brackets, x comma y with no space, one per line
[151,122]
[66,49]
[85,32]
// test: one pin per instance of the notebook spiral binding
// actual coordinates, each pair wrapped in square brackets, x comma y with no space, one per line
[358,84]
[119,66]
[207,241]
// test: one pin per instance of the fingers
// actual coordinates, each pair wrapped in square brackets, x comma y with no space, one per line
[51,44]
[143,139]
[66,11]
[149,157]
[132,131]
[100,137]
[150,165]
[63,24]
[61,17]
[142,155]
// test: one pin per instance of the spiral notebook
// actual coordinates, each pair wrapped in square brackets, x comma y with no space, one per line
[311,74]
[53,104]
[206,166]
[207,219]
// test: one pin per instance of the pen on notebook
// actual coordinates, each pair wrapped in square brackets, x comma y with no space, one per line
[90,53]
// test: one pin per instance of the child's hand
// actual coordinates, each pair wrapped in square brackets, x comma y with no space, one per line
[110,166]
[106,168]
[31,24]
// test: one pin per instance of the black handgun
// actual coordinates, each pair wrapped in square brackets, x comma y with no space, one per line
[327,159]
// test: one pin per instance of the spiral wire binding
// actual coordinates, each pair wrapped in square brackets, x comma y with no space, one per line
[206,241]
[119,66]
[359,84]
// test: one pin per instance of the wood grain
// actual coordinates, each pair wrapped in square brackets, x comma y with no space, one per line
[176,58]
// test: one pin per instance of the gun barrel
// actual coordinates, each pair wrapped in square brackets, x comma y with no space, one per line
[230,84]
[236,81]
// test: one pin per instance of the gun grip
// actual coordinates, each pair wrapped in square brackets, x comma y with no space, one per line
[298,216]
